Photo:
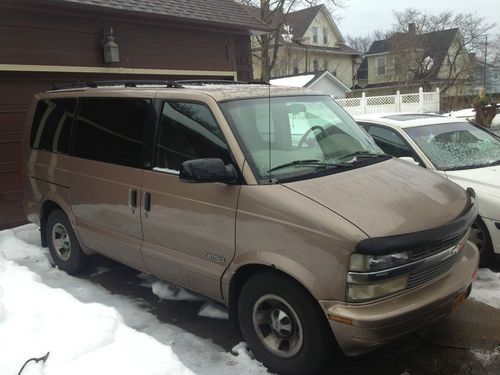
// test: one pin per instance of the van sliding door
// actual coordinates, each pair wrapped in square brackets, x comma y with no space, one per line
[106,175]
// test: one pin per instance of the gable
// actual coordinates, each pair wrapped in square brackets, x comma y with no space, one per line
[303,21]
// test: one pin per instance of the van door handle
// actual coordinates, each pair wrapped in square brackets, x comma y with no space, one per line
[132,198]
[147,202]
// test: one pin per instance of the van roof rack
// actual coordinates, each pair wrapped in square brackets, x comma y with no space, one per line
[163,83]
[107,83]
[201,82]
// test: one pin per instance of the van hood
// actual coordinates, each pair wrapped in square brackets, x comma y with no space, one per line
[387,198]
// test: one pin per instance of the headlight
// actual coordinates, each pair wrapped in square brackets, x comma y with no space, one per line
[382,283]
[365,292]
[368,263]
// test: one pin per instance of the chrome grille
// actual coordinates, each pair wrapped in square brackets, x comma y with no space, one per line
[436,248]
[421,276]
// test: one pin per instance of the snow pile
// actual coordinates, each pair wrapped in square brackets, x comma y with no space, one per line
[211,310]
[486,357]
[81,338]
[165,290]
[486,288]
[23,245]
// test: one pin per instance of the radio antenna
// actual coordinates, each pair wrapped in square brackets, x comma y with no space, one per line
[269,130]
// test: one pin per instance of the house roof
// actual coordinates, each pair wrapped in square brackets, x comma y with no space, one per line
[435,45]
[221,12]
[307,80]
[300,20]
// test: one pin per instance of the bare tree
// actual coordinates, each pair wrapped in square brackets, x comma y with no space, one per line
[415,63]
[274,13]
[363,43]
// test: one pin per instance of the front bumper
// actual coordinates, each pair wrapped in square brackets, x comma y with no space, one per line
[377,323]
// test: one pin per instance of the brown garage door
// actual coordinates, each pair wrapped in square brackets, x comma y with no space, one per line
[16,91]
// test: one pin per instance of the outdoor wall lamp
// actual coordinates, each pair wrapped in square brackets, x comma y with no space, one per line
[109,46]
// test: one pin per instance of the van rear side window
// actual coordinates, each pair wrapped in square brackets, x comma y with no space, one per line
[52,125]
[111,130]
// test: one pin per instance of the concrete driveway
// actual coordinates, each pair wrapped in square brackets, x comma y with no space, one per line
[466,342]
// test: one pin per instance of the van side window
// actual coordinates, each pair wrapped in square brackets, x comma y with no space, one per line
[52,125]
[111,130]
[188,131]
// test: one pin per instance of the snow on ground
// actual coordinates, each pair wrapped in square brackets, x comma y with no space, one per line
[297,81]
[486,357]
[212,310]
[169,291]
[486,288]
[82,338]
[86,328]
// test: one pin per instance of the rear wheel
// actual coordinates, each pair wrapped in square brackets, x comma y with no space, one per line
[283,325]
[480,236]
[63,244]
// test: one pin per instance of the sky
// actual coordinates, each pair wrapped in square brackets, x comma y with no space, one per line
[361,17]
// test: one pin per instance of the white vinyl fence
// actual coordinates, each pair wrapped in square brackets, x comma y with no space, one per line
[418,102]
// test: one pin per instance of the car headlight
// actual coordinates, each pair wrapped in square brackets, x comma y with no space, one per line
[368,263]
[365,292]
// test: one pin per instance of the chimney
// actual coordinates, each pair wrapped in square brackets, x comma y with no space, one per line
[412,30]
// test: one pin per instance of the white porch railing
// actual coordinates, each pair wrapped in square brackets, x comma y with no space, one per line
[418,102]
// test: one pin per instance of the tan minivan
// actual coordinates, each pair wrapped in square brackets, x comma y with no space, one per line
[269,200]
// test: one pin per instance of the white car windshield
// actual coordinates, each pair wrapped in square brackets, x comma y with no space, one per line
[296,135]
[454,146]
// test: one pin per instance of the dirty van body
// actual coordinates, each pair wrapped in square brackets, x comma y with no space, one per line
[269,200]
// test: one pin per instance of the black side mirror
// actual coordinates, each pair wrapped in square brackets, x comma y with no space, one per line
[207,170]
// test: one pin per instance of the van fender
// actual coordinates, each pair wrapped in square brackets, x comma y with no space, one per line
[316,287]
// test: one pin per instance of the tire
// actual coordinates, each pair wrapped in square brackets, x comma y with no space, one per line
[63,244]
[481,237]
[272,300]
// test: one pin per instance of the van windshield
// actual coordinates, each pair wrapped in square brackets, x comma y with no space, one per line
[289,137]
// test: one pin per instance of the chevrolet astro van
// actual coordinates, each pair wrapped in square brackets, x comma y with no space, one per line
[269,200]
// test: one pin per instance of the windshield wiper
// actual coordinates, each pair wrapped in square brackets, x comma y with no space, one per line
[310,162]
[363,154]
[496,162]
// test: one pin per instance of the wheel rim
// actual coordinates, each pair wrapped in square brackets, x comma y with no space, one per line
[277,326]
[476,235]
[61,242]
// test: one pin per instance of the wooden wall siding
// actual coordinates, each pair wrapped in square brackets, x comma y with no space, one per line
[52,38]
[34,35]
[243,57]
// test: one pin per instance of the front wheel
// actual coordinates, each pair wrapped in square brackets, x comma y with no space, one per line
[63,244]
[283,325]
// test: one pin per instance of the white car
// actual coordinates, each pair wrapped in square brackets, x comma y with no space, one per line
[461,151]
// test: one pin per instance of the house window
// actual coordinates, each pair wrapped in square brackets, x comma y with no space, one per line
[325,64]
[325,35]
[295,66]
[381,65]
[315,34]
[315,65]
